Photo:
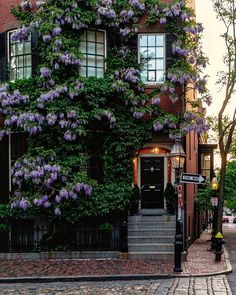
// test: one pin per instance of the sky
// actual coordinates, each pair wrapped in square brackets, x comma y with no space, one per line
[213,46]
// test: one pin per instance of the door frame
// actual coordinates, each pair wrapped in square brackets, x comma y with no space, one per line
[165,171]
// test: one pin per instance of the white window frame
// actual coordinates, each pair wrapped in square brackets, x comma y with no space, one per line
[105,51]
[8,54]
[164,56]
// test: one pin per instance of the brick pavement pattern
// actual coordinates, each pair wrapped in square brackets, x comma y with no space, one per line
[217,285]
[199,261]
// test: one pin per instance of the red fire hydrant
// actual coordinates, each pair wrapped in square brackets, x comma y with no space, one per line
[218,246]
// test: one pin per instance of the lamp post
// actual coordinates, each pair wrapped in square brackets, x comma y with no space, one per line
[214,203]
[177,156]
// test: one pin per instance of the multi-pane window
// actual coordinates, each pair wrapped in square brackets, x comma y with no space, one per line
[152,57]
[206,166]
[93,47]
[19,58]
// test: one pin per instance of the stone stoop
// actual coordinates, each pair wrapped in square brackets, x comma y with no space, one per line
[151,235]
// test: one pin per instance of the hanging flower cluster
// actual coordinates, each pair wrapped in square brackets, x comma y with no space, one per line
[50,178]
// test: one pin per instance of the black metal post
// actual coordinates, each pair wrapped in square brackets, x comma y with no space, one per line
[124,239]
[178,234]
[214,227]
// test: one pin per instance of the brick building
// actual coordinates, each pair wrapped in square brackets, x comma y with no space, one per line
[152,165]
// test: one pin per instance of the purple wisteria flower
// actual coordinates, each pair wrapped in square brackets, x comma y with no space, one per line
[69,59]
[158,126]
[47,38]
[163,20]
[21,35]
[56,31]
[57,211]
[45,73]
[155,101]
[137,4]
[25,5]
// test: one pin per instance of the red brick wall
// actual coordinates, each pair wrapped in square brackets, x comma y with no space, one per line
[191,189]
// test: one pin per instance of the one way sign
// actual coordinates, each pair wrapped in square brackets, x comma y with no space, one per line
[192,178]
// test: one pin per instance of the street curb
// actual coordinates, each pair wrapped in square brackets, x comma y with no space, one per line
[122,277]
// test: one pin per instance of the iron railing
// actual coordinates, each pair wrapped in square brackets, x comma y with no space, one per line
[72,239]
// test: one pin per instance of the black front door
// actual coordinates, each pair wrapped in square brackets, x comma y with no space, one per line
[152,182]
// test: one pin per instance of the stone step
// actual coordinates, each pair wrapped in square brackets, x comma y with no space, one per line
[151,247]
[158,212]
[152,255]
[151,232]
[151,239]
[151,224]
[150,218]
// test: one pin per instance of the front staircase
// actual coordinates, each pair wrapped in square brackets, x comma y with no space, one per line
[151,235]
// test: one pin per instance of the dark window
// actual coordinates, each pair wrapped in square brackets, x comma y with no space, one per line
[18,145]
[95,168]
[94,52]
[19,58]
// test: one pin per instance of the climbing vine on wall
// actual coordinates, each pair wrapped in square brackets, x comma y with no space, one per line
[69,117]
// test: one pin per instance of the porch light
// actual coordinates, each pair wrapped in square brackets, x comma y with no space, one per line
[155,150]
[214,184]
[177,155]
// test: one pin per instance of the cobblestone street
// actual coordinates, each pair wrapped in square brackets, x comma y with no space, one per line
[217,285]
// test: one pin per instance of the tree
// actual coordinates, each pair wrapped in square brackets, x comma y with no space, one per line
[230,184]
[225,12]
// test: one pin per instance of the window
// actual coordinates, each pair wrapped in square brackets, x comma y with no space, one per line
[152,56]
[93,47]
[206,166]
[95,168]
[19,58]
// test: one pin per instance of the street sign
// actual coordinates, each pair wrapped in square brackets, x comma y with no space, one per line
[192,178]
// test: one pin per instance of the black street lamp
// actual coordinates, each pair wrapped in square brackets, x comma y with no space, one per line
[214,203]
[178,156]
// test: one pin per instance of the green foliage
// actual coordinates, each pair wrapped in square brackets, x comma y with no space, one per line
[170,196]
[203,198]
[230,185]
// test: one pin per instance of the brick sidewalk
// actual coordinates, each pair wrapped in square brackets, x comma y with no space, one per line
[200,261]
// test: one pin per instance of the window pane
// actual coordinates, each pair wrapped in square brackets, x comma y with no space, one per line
[144,76]
[160,64]
[83,47]
[159,40]
[13,50]
[28,72]
[100,73]
[160,76]
[12,74]
[143,40]
[159,52]
[28,60]
[143,52]
[91,60]
[100,37]
[91,48]
[100,61]
[27,48]
[20,61]
[100,49]
[91,72]
[151,40]
[151,76]
[83,72]
[20,73]
[151,52]
[13,63]
[152,64]
[91,35]
[19,49]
